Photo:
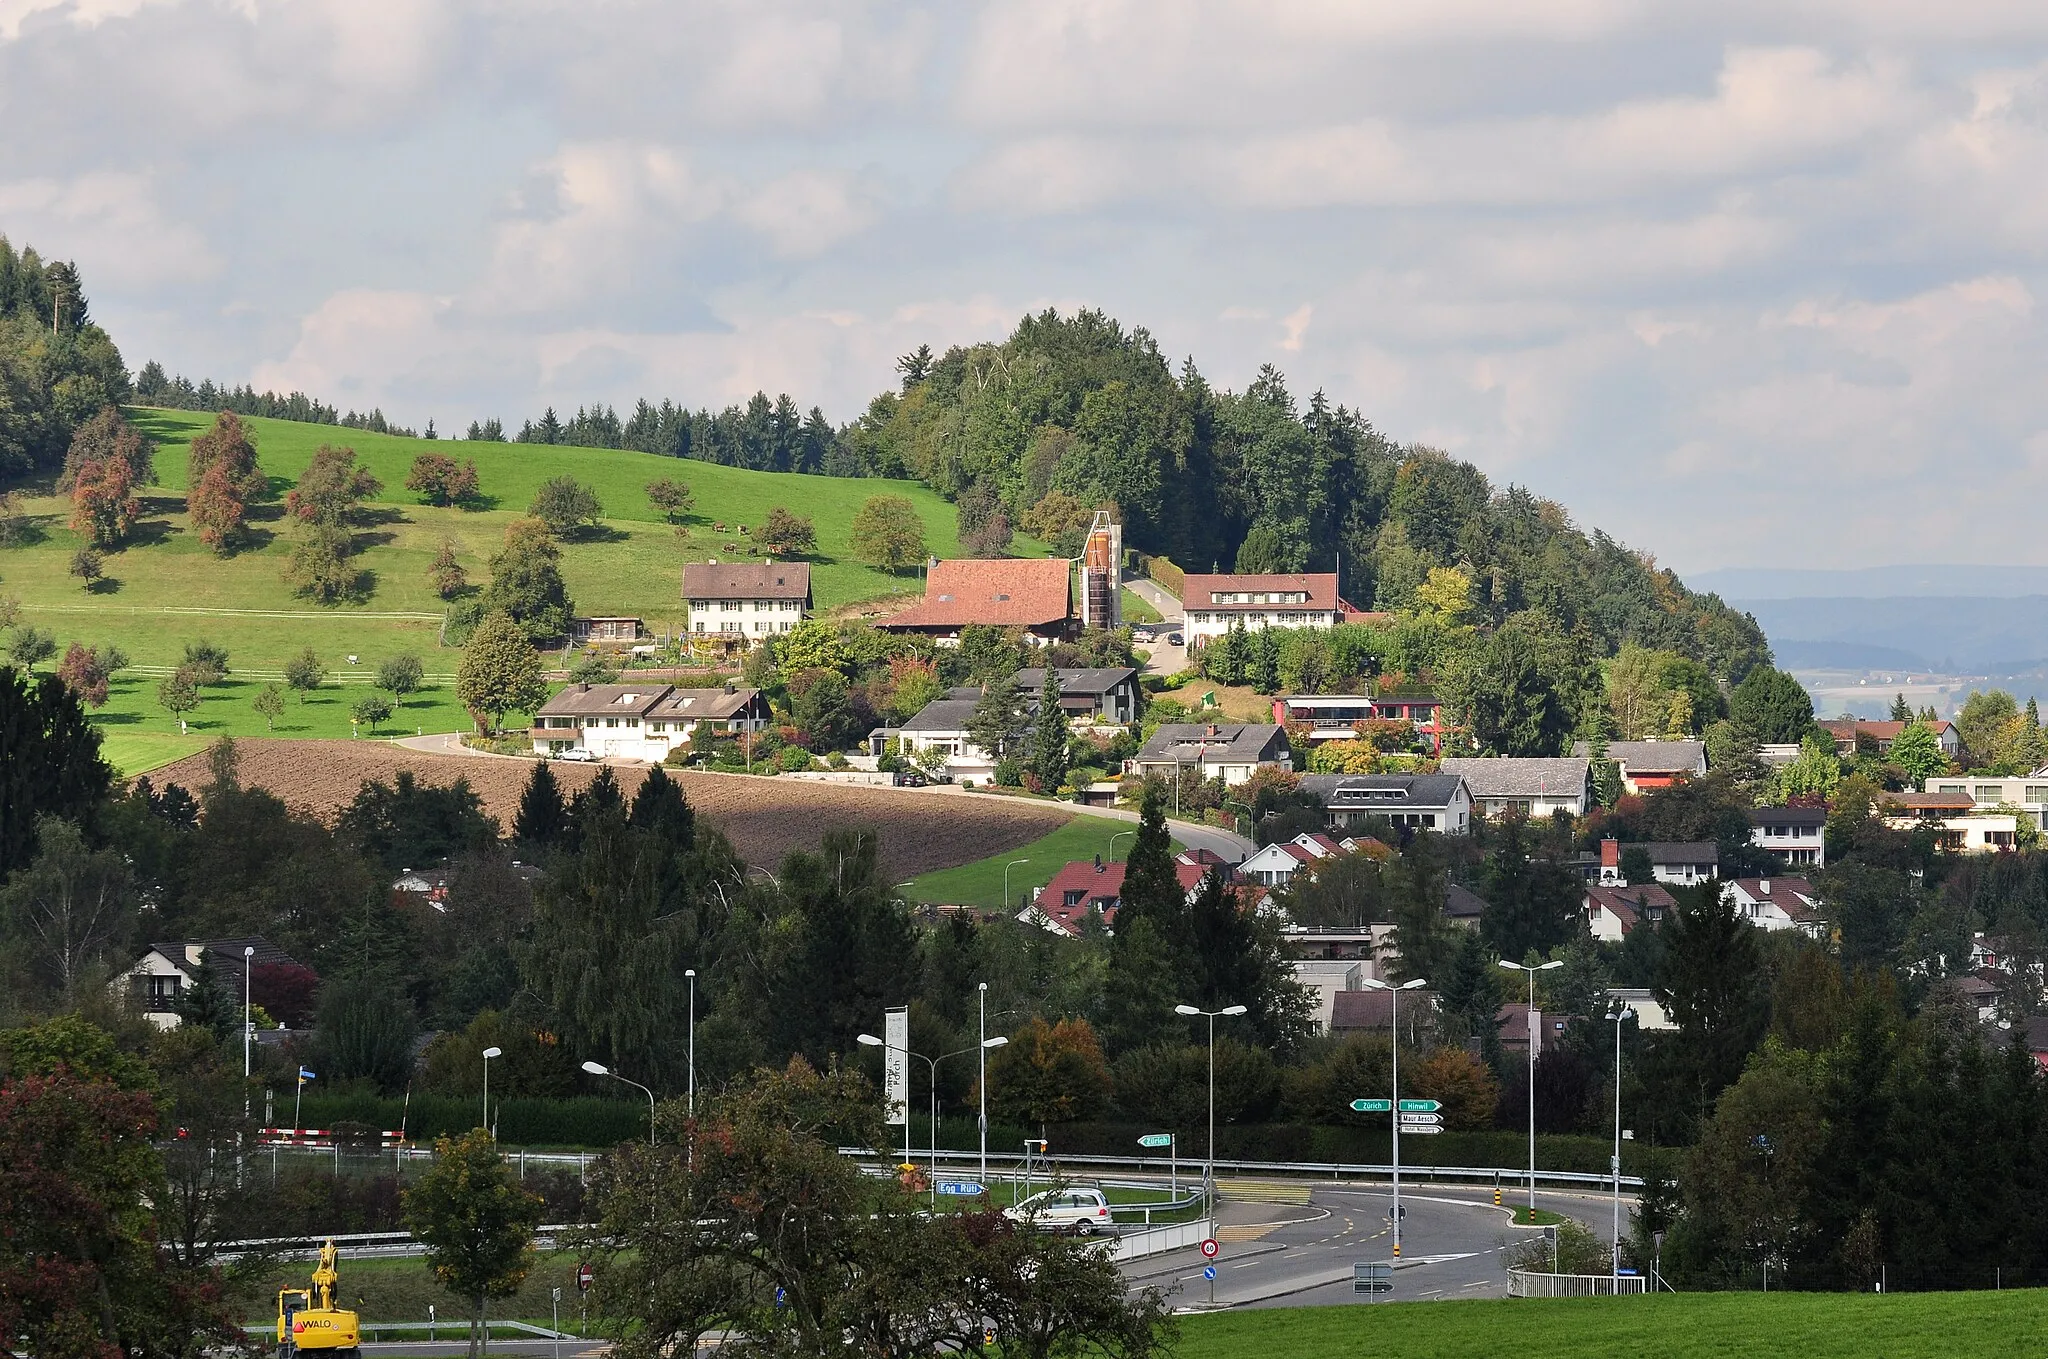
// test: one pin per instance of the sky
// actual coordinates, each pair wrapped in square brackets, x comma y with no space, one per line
[1745,283]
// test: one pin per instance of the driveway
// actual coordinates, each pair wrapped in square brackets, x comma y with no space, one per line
[1160,659]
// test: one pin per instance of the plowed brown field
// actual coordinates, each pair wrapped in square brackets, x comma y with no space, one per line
[921,830]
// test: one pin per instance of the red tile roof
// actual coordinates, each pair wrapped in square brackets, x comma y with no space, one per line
[1846,729]
[1010,593]
[1098,886]
[1628,904]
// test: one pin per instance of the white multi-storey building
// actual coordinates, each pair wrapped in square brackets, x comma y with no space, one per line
[745,602]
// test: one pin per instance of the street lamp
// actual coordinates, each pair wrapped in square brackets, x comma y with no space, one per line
[489,1053]
[1619,1011]
[981,1078]
[248,966]
[600,1069]
[1376,984]
[1006,879]
[1209,1175]
[932,1063]
[1529,1029]
[1112,843]
[691,973]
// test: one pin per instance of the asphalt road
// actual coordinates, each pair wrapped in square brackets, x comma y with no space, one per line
[1453,1245]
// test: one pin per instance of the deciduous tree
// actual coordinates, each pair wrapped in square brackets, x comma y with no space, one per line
[400,676]
[566,506]
[887,533]
[500,673]
[441,480]
[331,489]
[445,573]
[786,533]
[477,1223]
[84,674]
[526,581]
[304,673]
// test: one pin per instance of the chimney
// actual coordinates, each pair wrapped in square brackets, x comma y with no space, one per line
[583,687]
[730,688]
[1610,853]
[1763,886]
[1212,729]
[1098,863]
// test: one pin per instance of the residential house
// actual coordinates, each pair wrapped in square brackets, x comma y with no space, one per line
[1531,787]
[1437,802]
[1985,990]
[1035,594]
[1106,695]
[163,975]
[1226,750]
[1517,1023]
[1798,835]
[740,603]
[1614,912]
[1952,817]
[591,631]
[941,726]
[1276,864]
[1091,888]
[1847,730]
[2029,792]
[1327,979]
[1328,717]
[1679,864]
[1462,906]
[1372,1010]
[1212,605]
[641,721]
[1645,765]
[1408,703]
[1651,1016]
[1778,904]
[1363,942]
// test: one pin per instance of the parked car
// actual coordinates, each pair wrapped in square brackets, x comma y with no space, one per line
[1080,1211]
[1175,639]
[578,755]
[911,778]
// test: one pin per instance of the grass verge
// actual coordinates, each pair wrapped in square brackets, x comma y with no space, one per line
[981,883]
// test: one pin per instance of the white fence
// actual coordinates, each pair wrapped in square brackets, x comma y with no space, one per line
[1524,1283]
[1159,1240]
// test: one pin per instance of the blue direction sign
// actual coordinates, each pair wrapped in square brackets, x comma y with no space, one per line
[1209,1272]
[1420,1106]
[965,1189]
[1375,1106]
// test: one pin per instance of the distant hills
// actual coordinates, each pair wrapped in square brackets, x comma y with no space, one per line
[1950,618]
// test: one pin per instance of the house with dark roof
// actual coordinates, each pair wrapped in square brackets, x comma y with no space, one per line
[1798,835]
[1099,694]
[1035,594]
[155,984]
[641,721]
[1504,785]
[1226,750]
[1212,605]
[940,730]
[1847,732]
[1437,802]
[740,603]
[1612,913]
[1676,863]
[1778,904]
[1648,765]
[1373,1011]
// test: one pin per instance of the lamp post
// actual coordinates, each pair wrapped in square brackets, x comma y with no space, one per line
[1209,1174]
[1006,880]
[932,1063]
[691,973]
[1618,1012]
[489,1053]
[248,966]
[1376,984]
[1529,1028]
[1112,843]
[600,1069]
[981,1081]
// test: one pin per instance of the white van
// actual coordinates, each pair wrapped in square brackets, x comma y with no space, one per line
[1080,1211]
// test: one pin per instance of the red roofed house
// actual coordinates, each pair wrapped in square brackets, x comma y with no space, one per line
[1087,888]
[1212,605]
[1845,730]
[1778,904]
[1612,912]
[1034,594]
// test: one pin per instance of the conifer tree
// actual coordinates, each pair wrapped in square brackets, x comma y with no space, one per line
[1049,738]
[542,817]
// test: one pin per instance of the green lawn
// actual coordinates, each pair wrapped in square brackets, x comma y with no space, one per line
[1668,1326]
[1137,610]
[981,883]
[164,589]
[401,1289]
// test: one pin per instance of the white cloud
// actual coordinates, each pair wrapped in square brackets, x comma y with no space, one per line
[113,225]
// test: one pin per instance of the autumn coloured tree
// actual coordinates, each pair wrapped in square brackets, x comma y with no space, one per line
[108,437]
[445,573]
[104,506]
[788,533]
[217,509]
[331,488]
[227,444]
[441,480]
[84,673]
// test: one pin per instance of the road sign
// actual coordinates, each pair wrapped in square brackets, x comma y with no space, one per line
[1420,1106]
[1372,1276]
[1210,1247]
[1422,1130]
[1156,1140]
[585,1276]
[1209,1272]
[1403,1212]
[1423,1120]
[1372,1106]
[965,1189]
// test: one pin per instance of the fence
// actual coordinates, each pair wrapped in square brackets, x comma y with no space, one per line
[1159,1240]
[1524,1283]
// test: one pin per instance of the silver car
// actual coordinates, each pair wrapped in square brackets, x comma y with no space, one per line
[1080,1211]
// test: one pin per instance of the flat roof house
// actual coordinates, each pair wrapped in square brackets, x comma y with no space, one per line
[1798,835]
[1654,764]
[1226,750]
[1437,802]
[2029,792]
[1035,594]
[1212,605]
[1532,787]
[740,603]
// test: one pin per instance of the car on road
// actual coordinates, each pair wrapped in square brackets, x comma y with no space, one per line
[1082,1212]
[577,756]
[911,778]
[1174,639]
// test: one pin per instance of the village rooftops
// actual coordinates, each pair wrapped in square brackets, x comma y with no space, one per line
[747,580]
[1655,757]
[605,700]
[1015,592]
[1395,792]
[1213,743]
[1521,777]
[705,705]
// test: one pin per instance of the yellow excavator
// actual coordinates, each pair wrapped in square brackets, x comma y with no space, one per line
[308,1320]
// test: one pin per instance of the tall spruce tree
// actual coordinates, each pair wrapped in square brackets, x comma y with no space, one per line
[1049,736]
[542,816]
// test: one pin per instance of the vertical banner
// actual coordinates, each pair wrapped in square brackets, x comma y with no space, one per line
[1535,1035]
[896,1064]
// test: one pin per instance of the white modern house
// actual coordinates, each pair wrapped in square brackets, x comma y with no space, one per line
[742,603]
[1612,913]
[1778,904]
[1435,802]
[1525,786]
[1798,835]
[641,721]
[1326,977]
[1212,605]
[2029,793]
[1328,717]
[939,730]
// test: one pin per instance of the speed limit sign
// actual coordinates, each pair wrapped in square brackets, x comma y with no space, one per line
[1209,1247]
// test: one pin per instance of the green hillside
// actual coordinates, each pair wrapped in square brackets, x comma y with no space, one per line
[165,589]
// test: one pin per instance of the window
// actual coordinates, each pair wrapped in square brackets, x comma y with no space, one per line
[632,721]
[1989,792]
[611,721]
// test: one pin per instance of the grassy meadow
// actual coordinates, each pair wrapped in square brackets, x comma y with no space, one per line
[164,589]
[981,883]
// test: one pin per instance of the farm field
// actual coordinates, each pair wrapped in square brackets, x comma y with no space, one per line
[165,589]
[765,818]
[2003,1325]
[980,883]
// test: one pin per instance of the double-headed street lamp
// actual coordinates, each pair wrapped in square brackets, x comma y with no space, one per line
[1376,984]
[983,1047]
[1006,879]
[1529,1029]
[600,1069]
[1618,1011]
[1209,1174]
[489,1053]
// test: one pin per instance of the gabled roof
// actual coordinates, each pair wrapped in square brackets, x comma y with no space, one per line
[1847,728]
[604,700]
[1461,903]
[1655,757]
[1015,592]
[692,705]
[1793,896]
[747,580]
[1524,776]
[1321,588]
[942,714]
[223,955]
[1393,792]
[1213,741]
[1093,682]
[1374,1009]
[1630,904]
